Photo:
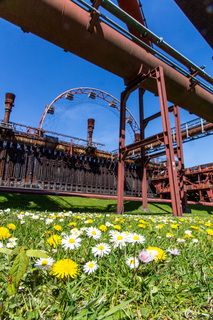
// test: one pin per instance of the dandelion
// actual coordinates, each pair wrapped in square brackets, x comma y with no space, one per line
[136,238]
[11,226]
[146,256]
[4,233]
[90,267]
[101,249]
[174,226]
[65,268]
[118,239]
[132,262]
[71,242]
[209,232]
[44,263]
[142,225]
[117,227]
[89,221]
[103,227]
[72,224]
[159,253]
[174,252]
[169,235]
[54,241]
[93,233]
[57,227]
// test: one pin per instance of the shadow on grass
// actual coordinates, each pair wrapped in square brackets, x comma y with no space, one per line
[59,203]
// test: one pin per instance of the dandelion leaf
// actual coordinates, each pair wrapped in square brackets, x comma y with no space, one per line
[5,251]
[17,271]
[37,254]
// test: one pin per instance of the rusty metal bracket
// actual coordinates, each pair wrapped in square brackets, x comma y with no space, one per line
[94,14]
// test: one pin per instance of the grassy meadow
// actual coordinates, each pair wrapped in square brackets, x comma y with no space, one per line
[73,258]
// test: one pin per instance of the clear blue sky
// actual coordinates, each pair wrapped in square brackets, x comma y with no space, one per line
[37,71]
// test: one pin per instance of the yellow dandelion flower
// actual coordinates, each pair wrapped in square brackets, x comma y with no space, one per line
[4,233]
[54,241]
[11,226]
[103,228]
[195,228]
[159,253]
[170,235]
[160,226]
[72,224]
[143,221]
[65,268]
[89,221]
[57,227]
[142,225]
[209,232]
[208,224]
[174,226]
[117,227]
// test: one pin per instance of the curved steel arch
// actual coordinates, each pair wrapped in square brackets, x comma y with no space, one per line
[112,102]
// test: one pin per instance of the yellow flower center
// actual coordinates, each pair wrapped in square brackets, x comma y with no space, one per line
[71,240]
[101,247]
[119,237]
[44,262]
[136,238]
[91,265]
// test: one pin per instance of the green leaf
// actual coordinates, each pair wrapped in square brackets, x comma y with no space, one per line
[115,309]
[37,254]
[17,271]
[6,251]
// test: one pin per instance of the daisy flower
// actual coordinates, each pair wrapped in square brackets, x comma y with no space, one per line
[44,263]
[135,238]
[174,252]
[65,268]
[75,232]
[146,256]
[132,262]
[1,244]
[90,267]
[118,239]
[93,233]
[71,242]
[181,240]
[195,240]
[101,249]
[12,242]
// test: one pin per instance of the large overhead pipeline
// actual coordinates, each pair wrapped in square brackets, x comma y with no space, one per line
[65,24]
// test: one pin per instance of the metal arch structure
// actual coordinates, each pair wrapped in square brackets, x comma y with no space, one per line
[92,93]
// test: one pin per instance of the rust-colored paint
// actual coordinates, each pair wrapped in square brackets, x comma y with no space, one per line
[65,24]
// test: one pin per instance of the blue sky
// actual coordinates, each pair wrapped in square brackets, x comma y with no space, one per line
[37,71]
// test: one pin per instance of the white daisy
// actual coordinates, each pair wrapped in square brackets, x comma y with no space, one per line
[75,232]
[71,242]
[147,256]
[135,238]
[195,240]
[44,263]
[90,267]
[101,249]
[181,240]
[118,239]
[1,244]
[93,233]
[174,252]
[132,262]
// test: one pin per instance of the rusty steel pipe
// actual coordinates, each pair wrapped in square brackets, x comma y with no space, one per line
[9,103]
[90,128]
[65,24]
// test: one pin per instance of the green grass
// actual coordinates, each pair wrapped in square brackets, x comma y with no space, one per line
[78,204]
[176,288]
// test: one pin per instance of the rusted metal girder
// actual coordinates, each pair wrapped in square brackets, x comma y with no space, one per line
[9,103]
[133,9]
[64,23]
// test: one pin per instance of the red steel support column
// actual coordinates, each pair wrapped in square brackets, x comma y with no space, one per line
[179,142]
[9,103]
[143,160]
[173,180]
[121,163]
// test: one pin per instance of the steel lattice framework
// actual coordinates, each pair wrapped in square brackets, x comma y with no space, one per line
[91,93]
